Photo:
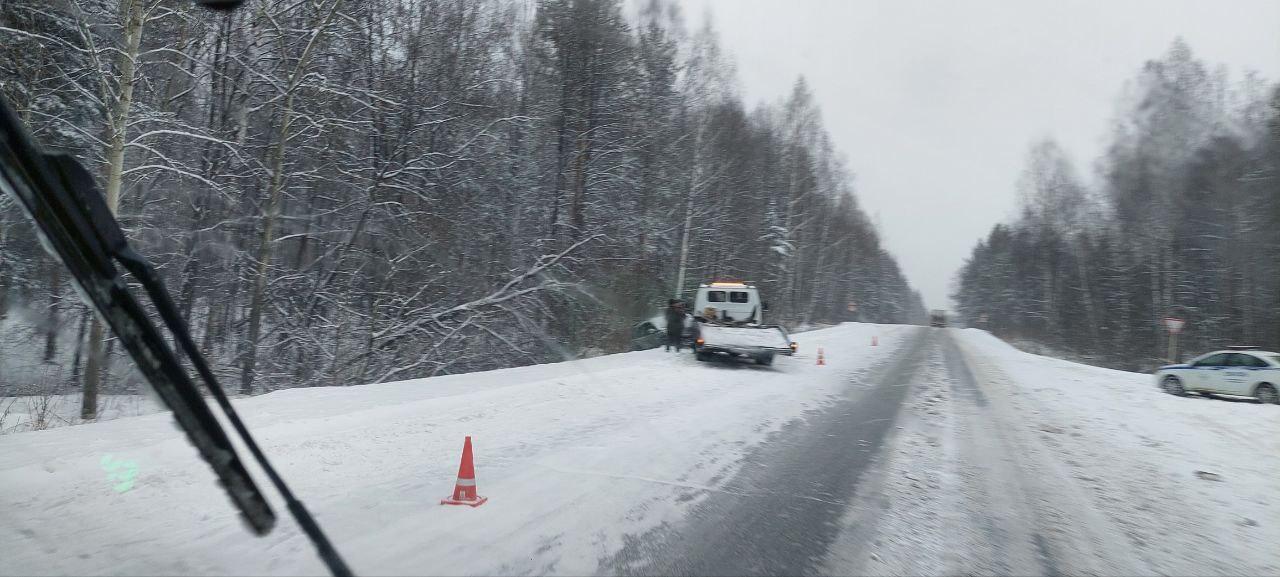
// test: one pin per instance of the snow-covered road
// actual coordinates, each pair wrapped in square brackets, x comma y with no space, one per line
[1011,463]
[939,451]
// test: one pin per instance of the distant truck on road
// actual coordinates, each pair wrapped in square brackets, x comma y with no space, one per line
[938,318]
[729,319]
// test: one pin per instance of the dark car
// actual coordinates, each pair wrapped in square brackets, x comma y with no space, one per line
[646,335]
[649,334]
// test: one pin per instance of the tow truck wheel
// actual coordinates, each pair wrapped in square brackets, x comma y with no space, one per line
[765,360]
[702,356]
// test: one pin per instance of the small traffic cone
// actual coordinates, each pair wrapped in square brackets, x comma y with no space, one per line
[822,359]
[875,341]
[464,493]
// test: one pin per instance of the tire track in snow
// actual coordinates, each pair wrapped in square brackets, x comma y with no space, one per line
[756,525]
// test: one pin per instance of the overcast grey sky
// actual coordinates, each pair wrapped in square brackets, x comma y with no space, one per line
[935,103]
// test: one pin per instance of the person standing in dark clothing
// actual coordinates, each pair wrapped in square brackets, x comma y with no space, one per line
[675,323]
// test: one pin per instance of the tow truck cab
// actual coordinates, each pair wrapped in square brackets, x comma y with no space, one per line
[729,302]
[730,322]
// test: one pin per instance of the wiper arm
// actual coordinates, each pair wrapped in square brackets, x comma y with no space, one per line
[74,224]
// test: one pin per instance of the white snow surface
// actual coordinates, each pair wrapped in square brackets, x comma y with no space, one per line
[1138,457]
[38,412]
[1123,478]
[572,456]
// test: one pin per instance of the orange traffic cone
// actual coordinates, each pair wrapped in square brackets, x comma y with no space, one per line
[875,341]
[822,359]
[464,493]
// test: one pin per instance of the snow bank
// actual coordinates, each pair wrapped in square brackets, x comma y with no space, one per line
[573,456]
[1190,481]
[39,412]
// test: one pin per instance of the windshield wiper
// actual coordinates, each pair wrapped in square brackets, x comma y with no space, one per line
[74,224]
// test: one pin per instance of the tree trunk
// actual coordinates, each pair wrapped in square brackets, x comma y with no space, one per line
[269,215]
[79,354]
[191,269]
[683,265]
[117,127]
[275,194]
[51,322]
[816,296]
[92,372]
[577,217]
[1086,289]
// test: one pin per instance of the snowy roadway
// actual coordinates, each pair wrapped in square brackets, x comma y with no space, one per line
[939,451]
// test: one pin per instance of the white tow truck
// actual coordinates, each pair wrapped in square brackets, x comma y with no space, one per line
[729,321]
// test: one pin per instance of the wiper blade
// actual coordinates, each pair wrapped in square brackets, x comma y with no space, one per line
[75,225]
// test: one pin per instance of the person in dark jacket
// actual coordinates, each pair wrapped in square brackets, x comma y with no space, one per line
[675,323]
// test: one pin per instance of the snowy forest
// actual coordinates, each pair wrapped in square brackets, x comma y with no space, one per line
[1183,221]
[344,192]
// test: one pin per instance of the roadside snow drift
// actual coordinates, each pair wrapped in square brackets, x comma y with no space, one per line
[1009,463]
[573,456]
[1189,485]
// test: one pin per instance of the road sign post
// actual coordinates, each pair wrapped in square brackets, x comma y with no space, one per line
[1174,326]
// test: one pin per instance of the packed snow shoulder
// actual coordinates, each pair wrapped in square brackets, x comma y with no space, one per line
[573,456]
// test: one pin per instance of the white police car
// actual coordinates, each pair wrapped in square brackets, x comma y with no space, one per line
[1240,371]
